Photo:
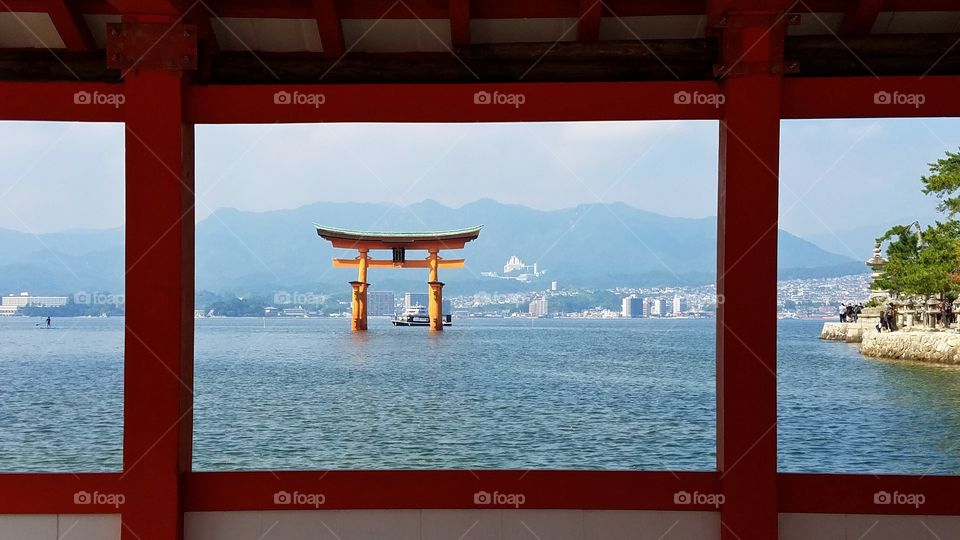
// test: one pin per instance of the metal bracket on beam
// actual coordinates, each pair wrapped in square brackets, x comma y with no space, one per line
[131,45]
[739,47]
[740,69]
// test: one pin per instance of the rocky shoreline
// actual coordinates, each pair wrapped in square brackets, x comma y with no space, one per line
[931,346]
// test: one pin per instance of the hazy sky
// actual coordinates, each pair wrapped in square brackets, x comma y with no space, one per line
[836,175]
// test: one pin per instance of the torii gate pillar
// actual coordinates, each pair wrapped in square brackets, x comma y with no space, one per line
[435,298]
[436,306]
[358,305]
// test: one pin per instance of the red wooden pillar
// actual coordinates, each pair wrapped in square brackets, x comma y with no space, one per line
[158,360]
[747,274]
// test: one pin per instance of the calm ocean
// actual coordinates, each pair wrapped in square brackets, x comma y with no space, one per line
[494,393]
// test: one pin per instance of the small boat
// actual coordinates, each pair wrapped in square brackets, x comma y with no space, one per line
[416,315]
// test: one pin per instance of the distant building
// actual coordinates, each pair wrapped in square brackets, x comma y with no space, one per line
[7,311]
[631,307]
[380,303]
[646,307]
[298,311]
[515,268]
[656,308]
[411,299]
[679,304]
[553,286]
[24,299]
[538,307]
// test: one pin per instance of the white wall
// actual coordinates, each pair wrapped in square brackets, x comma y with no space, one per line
[452,524]
[867,527]
[480,525]
[60,527]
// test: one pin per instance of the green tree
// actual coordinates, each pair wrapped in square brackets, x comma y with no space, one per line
[902,257]
[927,268]
[928,264]
[944,183]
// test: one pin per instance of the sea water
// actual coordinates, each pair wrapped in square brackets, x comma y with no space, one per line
[485,393]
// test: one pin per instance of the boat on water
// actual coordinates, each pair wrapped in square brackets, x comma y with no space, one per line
[416,315]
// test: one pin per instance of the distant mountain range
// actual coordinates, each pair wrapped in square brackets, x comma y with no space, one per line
[591,245]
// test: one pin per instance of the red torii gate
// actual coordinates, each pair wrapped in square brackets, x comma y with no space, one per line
[399,243]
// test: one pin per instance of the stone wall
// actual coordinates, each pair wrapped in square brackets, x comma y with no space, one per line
[934,346]
[848,332]
[922,346]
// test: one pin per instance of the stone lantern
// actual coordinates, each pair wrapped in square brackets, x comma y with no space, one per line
[877,263]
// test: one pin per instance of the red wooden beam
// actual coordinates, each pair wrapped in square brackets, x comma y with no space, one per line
[747,279]
[834,97]
[71,26]
[869,494]
[146,7]
[158,341]
[869,97]
[328,24]
[860,17]
[716,9]
[588,25]
[61,493]
[483,9]
[460,22]
[225,104]
[215,491]
[391,9]
[62,101]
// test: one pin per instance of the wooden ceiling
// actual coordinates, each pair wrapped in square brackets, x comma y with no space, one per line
[395,41]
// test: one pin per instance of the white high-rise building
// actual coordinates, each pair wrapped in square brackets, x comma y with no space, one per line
[24,299]
[411,299]
[679,304]
[553,286]
[538,307]
[656,308]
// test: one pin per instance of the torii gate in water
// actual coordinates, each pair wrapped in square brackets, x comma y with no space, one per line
[399,243]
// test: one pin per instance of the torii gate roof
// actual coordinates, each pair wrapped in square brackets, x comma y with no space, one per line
[353,239]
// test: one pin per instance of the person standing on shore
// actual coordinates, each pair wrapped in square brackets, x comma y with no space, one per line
[891,313]
[843,312]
